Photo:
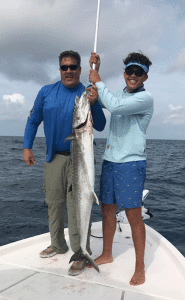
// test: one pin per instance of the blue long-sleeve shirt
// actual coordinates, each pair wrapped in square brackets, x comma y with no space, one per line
[131,114]
[54,106]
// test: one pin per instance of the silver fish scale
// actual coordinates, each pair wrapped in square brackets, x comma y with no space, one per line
[82,156]
[81,109]
[83,176]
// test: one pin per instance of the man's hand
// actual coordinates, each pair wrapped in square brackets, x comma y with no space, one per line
[93,95]
[94,59]
[28,157]
[94,76]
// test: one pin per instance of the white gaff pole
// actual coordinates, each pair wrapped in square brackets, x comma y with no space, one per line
[96,32]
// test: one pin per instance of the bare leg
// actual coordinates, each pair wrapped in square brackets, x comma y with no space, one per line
[138,234]
[109,228]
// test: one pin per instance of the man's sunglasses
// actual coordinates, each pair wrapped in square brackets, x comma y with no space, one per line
[138,73]
[71,67]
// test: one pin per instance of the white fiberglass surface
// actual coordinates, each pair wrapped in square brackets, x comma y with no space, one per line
[163,277]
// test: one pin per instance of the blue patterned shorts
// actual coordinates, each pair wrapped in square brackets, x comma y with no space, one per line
[123,183]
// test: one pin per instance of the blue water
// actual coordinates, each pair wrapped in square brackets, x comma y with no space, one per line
[23,210]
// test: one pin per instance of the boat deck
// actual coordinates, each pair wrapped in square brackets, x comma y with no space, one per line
[26,276]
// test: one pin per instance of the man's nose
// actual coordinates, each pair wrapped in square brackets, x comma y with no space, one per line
[133,75]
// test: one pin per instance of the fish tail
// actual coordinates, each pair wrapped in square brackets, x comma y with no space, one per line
[95,198]
[92,262]
[83,254]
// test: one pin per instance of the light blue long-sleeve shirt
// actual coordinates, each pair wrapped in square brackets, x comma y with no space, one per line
[130,116]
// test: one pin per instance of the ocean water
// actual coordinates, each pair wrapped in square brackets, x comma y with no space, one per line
[23,211]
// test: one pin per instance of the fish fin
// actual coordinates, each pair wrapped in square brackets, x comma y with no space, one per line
[71,137]
[95,198]
[92,262]
[80,254]
[76,100]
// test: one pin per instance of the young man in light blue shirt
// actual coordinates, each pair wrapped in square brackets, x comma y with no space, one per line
[124,166]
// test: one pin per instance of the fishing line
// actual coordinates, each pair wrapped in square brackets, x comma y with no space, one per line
[97,237]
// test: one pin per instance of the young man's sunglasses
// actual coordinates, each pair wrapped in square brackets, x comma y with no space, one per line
[138,72]
[71,67]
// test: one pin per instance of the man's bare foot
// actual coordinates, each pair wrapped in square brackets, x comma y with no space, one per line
[102,259]
[138,278]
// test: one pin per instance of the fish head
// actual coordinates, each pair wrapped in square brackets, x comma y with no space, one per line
[80,110]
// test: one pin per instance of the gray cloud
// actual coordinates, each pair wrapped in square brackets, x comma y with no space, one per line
[13,107]
[34,33]
[176,115]
[179,62]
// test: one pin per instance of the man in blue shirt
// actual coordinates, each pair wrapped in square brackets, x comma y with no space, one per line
[54,106]
[124,166]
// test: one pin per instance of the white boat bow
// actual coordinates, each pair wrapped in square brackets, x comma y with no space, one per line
[26,276]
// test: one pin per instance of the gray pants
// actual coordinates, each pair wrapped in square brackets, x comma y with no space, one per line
[57,183]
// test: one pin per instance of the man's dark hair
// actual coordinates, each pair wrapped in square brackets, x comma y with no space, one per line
[72,54]
[137,57]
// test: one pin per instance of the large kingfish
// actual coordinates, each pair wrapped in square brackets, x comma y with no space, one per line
[82,155]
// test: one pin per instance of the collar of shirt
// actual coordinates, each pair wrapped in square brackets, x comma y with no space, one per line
[139,89]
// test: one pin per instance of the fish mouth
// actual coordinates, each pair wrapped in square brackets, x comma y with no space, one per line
[81,125]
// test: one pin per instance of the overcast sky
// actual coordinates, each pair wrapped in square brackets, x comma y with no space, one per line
[34,33]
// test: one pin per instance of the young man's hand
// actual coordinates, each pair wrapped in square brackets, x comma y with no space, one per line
[94,76]
[94,59]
